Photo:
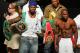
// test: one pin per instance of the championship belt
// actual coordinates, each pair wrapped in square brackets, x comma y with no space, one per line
[10,29]
[21,26]
[49,38]
[47,32]
[52,15]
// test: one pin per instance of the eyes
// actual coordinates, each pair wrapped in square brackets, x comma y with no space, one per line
[10,8]
[65,13]
[33,7]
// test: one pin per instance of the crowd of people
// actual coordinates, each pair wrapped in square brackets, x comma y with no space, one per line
[25,23]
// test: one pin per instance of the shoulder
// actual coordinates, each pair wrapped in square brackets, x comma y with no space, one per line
[71,21]
[63,7]
[16,14]
[25,8]
[48,6]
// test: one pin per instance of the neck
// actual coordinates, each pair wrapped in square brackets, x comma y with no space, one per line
[64,20]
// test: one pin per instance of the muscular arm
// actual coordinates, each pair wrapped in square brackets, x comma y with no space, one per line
[75,32]
[57,34]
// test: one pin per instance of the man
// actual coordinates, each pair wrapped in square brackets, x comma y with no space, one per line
[66,33]
[54,9]
[29,38]
[26,8]
[77,20]
[38,9]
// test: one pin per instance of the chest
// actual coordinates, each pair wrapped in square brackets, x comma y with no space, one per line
[65,25]
[29,20]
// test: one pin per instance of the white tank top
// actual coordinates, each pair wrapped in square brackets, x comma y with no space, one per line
[33,25]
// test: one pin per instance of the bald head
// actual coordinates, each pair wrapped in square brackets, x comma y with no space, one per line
[55,3]
[55,0]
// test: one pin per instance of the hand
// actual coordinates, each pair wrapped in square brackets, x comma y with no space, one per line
[56,47]
[74,45]
[13,24]
[42,30]
[20,10]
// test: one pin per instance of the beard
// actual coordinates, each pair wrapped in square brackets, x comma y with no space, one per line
[32,12]
[63,19]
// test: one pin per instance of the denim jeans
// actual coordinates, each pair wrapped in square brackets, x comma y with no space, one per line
[76,50]
[47,48]
[28,45]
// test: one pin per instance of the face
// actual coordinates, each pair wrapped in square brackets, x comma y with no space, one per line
[65,14]
[32,9]
[11,8]
[55,3]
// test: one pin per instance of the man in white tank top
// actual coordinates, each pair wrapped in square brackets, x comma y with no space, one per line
[29,38]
